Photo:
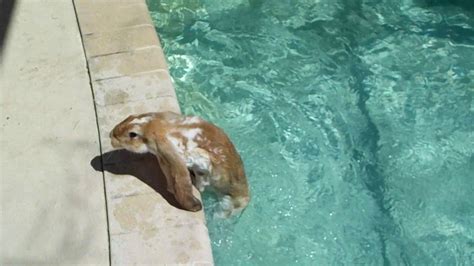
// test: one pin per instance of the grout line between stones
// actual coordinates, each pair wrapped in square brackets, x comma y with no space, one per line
[98,135]
[123,4]
[138,100]
[120,29]
[194,223]
[134,74]
[91,34]
[131,195]
[126,51]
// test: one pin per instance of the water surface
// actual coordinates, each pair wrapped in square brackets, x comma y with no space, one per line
[355,121]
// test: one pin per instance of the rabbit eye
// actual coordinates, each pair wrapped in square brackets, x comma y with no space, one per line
[132,135]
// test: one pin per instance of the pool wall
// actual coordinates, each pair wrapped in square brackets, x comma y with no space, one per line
[129,75]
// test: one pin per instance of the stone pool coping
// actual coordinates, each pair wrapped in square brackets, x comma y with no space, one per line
[128,74]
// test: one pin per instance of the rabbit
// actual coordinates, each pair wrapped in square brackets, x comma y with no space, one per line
[190,151]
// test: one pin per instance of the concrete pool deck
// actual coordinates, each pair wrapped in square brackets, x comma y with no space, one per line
[66,198]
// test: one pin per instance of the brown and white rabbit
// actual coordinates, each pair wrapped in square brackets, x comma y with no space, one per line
[185,146]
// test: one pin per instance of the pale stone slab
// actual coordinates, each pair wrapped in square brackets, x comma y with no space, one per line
[132,182]
[112,114]
[147,212]
[184,244]
[129,63]
[98,5]
[120,41]
[133,88]
[103,16]
[130,76]
[52,201]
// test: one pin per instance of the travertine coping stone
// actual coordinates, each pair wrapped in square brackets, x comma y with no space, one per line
[122,40]
[176,245]
[129,75]
[139,220]
[140,60]
[134,88]
[108,16]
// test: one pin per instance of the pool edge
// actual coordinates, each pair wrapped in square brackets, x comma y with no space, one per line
[129,74]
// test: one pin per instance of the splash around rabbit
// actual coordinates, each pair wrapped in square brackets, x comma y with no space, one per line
[190,151]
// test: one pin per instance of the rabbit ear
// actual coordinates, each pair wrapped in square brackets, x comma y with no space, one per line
[177,176]
[128,119]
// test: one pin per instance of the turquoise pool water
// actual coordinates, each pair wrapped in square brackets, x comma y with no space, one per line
[354,118]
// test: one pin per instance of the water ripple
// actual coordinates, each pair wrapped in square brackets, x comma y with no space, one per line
[354,120]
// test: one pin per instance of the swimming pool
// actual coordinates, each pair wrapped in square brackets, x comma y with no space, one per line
[355,121]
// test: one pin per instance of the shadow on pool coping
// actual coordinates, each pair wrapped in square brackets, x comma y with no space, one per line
[145,167]
[6,13]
